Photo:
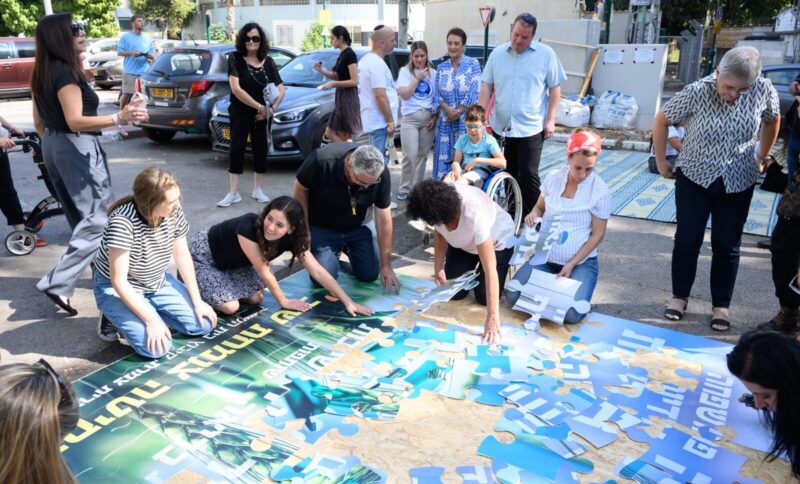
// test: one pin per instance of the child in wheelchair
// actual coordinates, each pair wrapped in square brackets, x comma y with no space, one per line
[477,154]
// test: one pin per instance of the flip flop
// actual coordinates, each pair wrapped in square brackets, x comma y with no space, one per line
[720,324]
[63,303]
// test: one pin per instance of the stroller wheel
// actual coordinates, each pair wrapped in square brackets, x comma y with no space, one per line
[20,242]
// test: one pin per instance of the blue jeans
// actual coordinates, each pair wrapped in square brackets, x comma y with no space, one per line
[792,153]
[585,272]
[377,139]
[172,304]
[361,247]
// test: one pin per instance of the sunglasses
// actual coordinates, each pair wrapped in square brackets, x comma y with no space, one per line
[66,399]
[254,39]
[78,27]
[473,126]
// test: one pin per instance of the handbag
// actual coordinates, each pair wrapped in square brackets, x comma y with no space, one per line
[271,93]
[789,206]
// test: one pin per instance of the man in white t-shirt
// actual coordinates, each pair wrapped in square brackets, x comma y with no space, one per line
[376,91]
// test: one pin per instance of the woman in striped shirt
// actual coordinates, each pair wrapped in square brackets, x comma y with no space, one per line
[580,197]
[131,285]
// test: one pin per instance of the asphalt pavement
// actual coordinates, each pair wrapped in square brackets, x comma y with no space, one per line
[634,280]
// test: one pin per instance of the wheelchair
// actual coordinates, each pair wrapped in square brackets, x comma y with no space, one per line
[504,190]
[23,242]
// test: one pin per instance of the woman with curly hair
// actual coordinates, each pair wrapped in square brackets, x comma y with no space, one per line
[39,408]
[232,259]
[470,230]
[767,363]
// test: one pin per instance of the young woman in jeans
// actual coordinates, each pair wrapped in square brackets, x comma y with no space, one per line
[131,284]
[582,199]
[416,85]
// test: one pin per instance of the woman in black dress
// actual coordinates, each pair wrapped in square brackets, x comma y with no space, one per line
[250,70]
[346,117]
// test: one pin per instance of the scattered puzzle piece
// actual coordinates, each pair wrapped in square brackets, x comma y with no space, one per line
[545,296]
[426,475]
[446,291]
[475,474]
[530,455]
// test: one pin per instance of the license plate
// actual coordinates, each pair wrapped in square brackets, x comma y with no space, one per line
[226,133]
[156,92]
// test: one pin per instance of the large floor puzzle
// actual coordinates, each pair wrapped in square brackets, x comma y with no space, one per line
[410,394]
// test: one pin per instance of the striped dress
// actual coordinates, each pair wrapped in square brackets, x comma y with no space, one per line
[150,247]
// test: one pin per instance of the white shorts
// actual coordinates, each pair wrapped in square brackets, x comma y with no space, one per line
[129,83]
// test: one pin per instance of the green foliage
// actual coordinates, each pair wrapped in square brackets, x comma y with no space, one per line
[219,33]
[169,15]
[21,16]
[313,39]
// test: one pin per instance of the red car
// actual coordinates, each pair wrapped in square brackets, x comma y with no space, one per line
[16,63]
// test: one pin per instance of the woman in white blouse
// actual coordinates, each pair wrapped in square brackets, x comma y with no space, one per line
[577,194]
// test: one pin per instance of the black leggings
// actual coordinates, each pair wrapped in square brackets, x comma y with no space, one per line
[459,261]
[9,201]
[242,125]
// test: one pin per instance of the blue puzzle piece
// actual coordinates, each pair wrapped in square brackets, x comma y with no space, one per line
[322,424]
[488,358]
[521,423]
[591,423]
[532,456]
[451,339]
[475,474]
[325,468]
[552,408]
[691,459]
[601,373]
[488,391]
[426,475]
[640,471]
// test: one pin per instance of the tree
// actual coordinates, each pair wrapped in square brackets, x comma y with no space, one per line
[169,15]
[313,39]
[219,33]
[21,16]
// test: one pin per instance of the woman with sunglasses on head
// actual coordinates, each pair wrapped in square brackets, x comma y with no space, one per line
[250,71]
[577,194]
[38,408]
[233,258]
[716,171]
[65,115]
[767,364]
[132,287]
[346,117]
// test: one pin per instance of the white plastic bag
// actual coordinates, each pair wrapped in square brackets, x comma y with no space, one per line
[573,114]
[615,110]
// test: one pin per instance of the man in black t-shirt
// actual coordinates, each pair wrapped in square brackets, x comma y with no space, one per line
[336,185]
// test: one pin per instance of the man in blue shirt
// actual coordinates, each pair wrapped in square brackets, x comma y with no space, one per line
[525,77]
[138,51]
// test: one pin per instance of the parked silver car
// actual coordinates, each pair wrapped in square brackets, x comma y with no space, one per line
[782,76]
[105,64]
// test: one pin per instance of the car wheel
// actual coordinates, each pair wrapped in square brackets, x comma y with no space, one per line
[159,135]
[104,87]
[320,139]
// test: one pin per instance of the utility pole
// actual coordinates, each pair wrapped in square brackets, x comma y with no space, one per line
[402,29]
[48,7]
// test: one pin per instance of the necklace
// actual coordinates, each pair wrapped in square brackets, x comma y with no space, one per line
[352,198]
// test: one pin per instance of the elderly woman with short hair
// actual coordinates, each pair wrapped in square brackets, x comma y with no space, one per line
[716,171]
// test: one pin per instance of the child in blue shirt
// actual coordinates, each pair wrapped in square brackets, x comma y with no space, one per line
[477,153]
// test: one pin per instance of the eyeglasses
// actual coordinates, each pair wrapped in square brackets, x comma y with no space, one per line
[474,126]
[726,87]
[66,399]
[254,39]
[78,27]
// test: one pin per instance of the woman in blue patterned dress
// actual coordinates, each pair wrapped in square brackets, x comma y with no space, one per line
[458,81]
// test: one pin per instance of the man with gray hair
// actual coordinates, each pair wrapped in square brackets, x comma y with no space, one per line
[376,92]
[336,186]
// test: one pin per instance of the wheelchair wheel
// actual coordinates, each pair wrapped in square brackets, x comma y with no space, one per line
[505,191]
[20,242]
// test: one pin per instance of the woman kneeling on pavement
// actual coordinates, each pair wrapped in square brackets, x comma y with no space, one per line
[131,285]
[580,197]
[767,364]
[469,228]
[232,259]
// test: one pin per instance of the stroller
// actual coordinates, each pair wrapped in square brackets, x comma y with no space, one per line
[23,242]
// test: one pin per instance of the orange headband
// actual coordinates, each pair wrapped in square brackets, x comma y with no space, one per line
[584,140]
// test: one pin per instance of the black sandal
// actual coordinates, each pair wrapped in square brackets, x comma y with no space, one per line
[674,314]
[62,303]
[720,324]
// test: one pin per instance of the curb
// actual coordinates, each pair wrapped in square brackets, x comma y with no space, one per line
[611,143]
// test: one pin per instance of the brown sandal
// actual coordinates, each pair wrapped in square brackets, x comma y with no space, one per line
[672,312]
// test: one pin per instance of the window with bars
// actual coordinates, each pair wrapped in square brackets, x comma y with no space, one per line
[284,34]
[355,33]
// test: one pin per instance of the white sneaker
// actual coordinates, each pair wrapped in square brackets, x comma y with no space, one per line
[392,206]
[259,195]
[229,199]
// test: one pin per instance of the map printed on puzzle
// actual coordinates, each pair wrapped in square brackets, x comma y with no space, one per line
[222,408]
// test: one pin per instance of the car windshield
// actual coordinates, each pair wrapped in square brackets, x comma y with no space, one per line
[103,46]
[182,62]
[300,71]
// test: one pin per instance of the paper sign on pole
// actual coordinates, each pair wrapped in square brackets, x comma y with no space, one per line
[325,17]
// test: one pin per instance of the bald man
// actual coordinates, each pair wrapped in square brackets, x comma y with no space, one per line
[376,92]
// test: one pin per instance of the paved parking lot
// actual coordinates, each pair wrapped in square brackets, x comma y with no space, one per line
[634,259]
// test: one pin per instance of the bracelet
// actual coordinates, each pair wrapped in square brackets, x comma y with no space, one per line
[115,119]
